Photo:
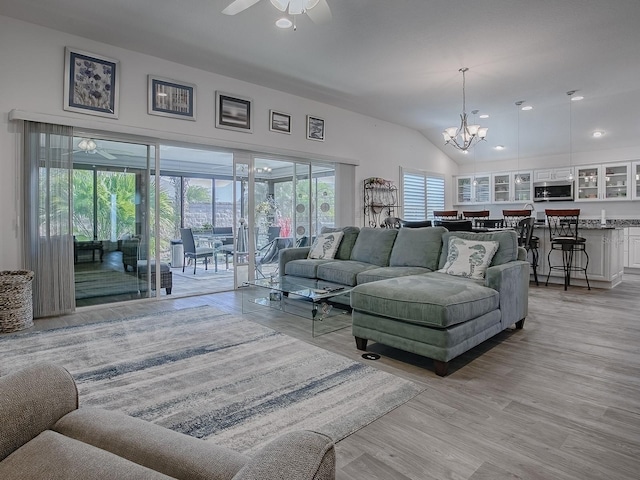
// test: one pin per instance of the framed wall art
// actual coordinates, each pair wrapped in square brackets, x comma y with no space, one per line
[233,112]
[169,98]
[91,83]
[279,122]
[315,128]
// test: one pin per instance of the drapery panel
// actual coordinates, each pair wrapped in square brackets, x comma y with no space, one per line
[48,235]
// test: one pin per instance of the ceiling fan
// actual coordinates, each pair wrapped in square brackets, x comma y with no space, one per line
[88,145]
[317,10]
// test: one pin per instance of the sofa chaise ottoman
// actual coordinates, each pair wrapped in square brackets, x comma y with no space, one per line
[44,435]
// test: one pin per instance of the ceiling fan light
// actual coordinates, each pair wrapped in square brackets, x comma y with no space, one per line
[296,7]
[284,22]
[280,4]
[309,4]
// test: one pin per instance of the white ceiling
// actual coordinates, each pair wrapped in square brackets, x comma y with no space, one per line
[399,60]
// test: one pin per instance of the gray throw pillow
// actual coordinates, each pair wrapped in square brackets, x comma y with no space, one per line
[348,240]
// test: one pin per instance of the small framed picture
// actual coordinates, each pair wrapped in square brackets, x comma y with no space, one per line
[91,83]
[279,122]
[233,112]
[315,128]
[169,98]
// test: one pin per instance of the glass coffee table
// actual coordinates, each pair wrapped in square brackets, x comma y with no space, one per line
[305,297]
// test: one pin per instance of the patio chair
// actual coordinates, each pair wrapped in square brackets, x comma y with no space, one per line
[193,252]
[270,253]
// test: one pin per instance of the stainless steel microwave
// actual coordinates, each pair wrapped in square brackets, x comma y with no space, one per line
[555,190]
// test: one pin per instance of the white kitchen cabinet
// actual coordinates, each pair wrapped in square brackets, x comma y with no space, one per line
[507,188]
[469,192]
[547,174]
[635,180]
[609,182]
[626,247]
[634,247]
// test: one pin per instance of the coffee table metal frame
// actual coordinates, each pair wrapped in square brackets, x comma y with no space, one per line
[304,297]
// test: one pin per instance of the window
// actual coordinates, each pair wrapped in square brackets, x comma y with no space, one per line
[422,193]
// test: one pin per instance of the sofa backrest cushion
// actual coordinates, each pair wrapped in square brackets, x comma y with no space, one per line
[347,243]
[374,245]
[507,245]
[417,247]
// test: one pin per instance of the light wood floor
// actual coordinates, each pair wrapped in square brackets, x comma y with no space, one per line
[559,399]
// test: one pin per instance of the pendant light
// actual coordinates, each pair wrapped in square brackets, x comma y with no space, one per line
[518,178]
[570,94]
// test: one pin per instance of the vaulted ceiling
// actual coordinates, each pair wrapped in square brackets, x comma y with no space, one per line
[399,60]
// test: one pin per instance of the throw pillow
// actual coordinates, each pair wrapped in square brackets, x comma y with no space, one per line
[469,258]
[325,245]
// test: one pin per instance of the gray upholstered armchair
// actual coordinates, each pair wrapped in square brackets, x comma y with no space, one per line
[43,434]
[130,248]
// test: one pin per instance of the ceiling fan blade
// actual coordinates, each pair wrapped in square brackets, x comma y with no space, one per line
[296,7]
[280,4]
[238,6]
[105,154]
[320,13]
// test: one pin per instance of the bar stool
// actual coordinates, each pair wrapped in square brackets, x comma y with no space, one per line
[476,215]
[512,219]
[525,239]
[445,214]
[563,235]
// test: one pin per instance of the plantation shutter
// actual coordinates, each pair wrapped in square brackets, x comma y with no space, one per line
[422,194]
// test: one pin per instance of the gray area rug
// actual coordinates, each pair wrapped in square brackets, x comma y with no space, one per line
[213,376]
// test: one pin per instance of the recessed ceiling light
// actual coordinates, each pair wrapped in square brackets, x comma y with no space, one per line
[284,22]
[484,115]
[597,134]
[466,152]
[527,107]
[499,147]
[577,98]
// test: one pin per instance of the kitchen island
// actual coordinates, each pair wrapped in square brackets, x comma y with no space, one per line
[605,247]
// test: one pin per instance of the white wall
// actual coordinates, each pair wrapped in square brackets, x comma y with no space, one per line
[31,80]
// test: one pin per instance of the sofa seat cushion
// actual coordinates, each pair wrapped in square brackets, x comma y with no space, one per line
[54,456]
[169,452]
[382,273]
[142,267]
[417,247]
[307,268]
[433,299]
[343,271]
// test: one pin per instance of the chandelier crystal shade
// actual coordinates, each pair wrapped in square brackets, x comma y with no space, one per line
[465,136]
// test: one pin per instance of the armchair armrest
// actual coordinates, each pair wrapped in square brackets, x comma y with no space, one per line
[288,254]
[300,455]
[511,280]
[31,401]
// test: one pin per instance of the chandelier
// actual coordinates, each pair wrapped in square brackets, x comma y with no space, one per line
[465,136]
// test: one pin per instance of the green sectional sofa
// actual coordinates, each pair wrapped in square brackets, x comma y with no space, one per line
[400,298]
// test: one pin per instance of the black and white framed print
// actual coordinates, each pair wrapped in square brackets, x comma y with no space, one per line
[91,83]
[315,128]
[170,98]
[279,122]
[233,112]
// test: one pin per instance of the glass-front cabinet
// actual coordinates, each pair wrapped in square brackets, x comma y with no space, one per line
[512,187]
[473,189]
[603,182]
[635,180]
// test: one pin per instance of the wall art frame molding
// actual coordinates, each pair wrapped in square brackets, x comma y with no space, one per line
[315,128]
[234,112]
[91,83]
[279,122]
[171,98]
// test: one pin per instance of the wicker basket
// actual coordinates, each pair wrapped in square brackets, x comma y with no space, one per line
[16,302]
